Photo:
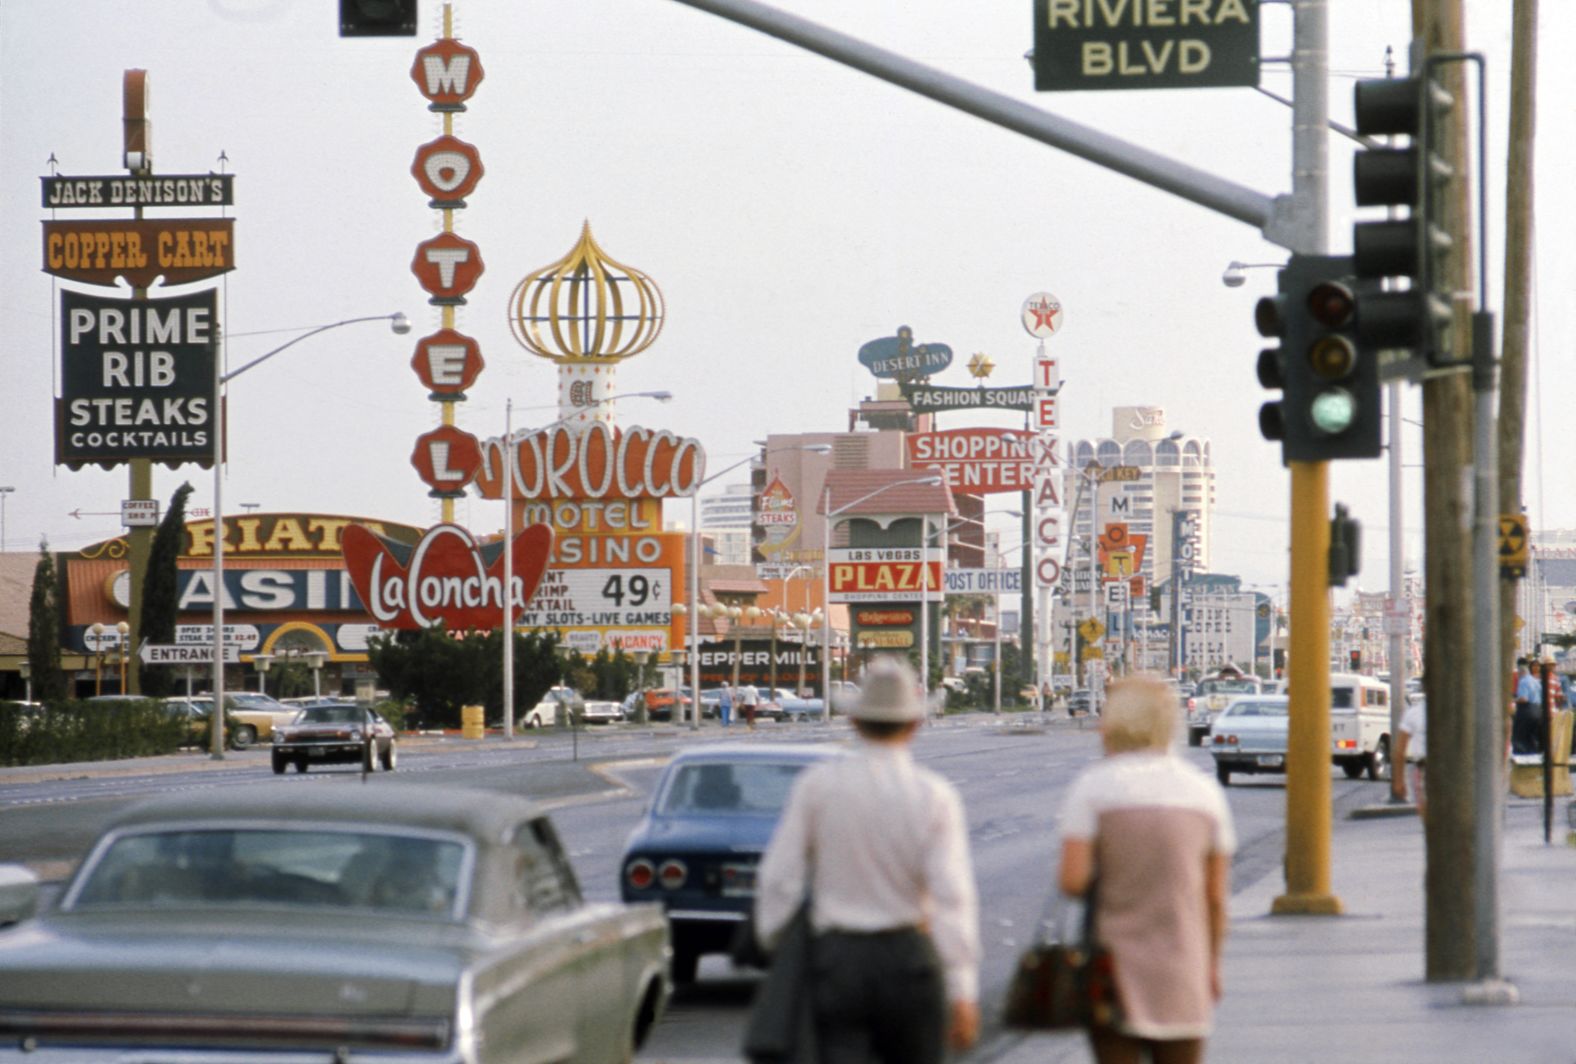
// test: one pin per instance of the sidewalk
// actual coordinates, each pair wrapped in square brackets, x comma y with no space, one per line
[1310,990]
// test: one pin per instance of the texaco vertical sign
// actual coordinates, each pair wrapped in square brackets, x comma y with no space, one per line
[1042,318]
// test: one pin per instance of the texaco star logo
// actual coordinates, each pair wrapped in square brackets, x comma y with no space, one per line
[1042,314]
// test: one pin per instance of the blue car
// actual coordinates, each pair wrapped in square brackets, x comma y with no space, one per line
[696,849]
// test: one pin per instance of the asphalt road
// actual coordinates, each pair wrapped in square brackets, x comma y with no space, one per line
[1011,778]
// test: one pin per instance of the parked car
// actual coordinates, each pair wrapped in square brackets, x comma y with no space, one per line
[696,849]
[1211,696]
[290,923]
[796,707]
[1249,736]
[600,712]
[250,715]
[545,714]
[335,733]
[660,702]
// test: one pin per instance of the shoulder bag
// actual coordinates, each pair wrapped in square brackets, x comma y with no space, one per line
[1063,983]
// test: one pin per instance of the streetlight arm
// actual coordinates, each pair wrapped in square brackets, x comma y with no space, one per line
[397,320]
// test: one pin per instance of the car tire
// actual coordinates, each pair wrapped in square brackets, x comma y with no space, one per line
[1353,767]
[388,758]
[279,765]
[1379,761]
[685,964]
[243,736]
[1223,774]
[532,721]
[301,765]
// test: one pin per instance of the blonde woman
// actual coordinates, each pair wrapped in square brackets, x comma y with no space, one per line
[1152,836]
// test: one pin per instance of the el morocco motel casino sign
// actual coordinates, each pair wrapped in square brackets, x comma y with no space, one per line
[613,574]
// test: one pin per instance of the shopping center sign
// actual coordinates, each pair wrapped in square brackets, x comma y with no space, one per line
[980,461]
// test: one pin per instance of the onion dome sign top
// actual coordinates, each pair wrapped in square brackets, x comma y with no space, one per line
[900,358]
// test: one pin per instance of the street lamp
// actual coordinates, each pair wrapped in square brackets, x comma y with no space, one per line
[123,629]
[1235,278]
[4,491]
[98,657]
[400,325]
[694,611]
[826,586]
[510,468]
[315,660]
[261,662]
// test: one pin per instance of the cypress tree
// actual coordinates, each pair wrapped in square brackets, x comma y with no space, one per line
[43,631]
[160,592]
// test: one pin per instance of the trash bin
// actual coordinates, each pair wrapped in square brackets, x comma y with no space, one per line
[471,722]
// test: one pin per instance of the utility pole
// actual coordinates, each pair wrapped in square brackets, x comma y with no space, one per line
[1518,269]
[1450,925]
[1308,889]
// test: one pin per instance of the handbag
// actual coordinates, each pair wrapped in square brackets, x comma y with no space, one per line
[1060,984]
[781,1025]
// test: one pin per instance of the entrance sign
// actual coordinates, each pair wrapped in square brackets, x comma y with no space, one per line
[136,379]
[182,654]
[1145,44]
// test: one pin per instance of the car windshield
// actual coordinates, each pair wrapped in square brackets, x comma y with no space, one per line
[736,789]
[1207,687]
[1250,708]
[245,700]
[299,868]
[330,715]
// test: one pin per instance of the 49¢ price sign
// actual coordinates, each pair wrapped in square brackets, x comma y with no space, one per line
[602,598]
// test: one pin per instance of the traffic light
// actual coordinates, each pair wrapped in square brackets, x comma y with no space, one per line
[1330,407]
[1346,546]
[1415,250]
[377,18]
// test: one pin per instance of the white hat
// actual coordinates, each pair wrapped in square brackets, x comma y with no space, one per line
[890,694]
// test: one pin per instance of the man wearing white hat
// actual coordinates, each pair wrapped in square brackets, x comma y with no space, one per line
[879,845]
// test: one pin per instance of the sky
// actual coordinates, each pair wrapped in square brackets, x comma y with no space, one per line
[790,209]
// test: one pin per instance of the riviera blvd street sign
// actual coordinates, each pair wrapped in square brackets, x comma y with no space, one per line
[1145,44]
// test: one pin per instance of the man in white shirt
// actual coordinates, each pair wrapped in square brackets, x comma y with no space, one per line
[1411,750]
[879,845]
[749,701]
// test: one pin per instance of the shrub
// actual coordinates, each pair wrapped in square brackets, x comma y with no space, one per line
[87,731]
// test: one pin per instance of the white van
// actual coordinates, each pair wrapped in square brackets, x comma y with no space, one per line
[1360,725]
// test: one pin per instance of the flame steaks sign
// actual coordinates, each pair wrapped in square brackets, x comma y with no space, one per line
[446,578]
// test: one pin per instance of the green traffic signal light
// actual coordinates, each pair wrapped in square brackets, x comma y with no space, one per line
[1333,411]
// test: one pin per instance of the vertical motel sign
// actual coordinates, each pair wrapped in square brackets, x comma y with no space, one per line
[1047,473]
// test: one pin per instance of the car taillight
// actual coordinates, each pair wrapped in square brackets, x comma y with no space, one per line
[641,874]
[1346,744]
[672,874]
[1225,740]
